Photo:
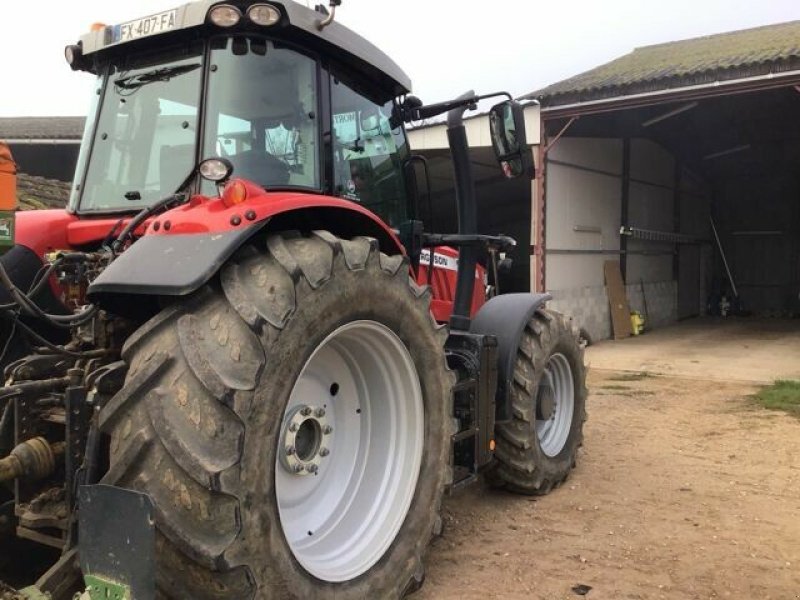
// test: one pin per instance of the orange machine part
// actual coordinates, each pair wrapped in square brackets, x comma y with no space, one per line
[8,179]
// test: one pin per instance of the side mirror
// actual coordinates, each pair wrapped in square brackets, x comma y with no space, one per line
[507,124]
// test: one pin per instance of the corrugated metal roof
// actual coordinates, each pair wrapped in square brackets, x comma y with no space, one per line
[698,61]
[41,128]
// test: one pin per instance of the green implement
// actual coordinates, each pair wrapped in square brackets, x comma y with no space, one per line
[6,230]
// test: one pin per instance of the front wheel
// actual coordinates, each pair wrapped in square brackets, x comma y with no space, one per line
[538,448]
[291,425]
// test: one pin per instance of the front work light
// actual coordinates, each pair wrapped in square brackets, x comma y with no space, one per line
[217,170]
[225,15]
[265,15]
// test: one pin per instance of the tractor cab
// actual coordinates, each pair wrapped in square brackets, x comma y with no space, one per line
[292,105]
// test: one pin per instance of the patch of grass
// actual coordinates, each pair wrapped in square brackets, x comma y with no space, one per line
[630,376]
[782,395]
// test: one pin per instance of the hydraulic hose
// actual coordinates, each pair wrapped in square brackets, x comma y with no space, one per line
[141,217]
[30,307]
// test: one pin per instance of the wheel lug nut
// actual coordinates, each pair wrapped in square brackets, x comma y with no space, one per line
[306,411]
[327,429]
[324,452]
[289,450]
[320,412]
[293,427]
[312,468]
[297,468]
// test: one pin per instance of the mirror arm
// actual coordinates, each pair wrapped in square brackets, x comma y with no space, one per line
[408,114]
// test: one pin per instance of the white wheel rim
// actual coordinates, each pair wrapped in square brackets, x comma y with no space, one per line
[553,429]
[340,510]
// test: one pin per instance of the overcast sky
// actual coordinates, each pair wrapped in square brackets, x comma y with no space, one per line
[446,46]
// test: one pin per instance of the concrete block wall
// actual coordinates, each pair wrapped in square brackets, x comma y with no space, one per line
[662,302]
[588,305]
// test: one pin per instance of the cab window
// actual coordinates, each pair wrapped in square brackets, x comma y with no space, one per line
[368,154]
[261,113]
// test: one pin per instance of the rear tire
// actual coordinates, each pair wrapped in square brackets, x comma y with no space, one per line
[538,448]
[198,424]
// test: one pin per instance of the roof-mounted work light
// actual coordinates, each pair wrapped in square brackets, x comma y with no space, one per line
[265,15]
[75,59]
[225,15]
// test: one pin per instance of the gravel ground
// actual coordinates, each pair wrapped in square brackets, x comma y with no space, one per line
[684,489]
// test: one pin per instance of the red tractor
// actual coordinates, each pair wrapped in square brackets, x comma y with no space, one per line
[237,366]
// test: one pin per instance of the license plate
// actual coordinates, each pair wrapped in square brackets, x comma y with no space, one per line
[140,28]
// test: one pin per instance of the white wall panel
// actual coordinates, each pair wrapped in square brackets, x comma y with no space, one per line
[582,199]
[650,207]
[650,268]
[594,153]
[568,271]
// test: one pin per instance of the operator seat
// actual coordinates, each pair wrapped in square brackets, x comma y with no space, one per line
[261,167]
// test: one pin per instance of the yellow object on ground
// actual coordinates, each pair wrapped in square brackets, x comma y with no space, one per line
[637,322]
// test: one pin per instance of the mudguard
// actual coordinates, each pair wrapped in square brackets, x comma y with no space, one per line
[169,265]
[505,317]
[183,248]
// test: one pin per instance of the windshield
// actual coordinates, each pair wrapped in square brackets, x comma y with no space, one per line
[262,113]
[145,140]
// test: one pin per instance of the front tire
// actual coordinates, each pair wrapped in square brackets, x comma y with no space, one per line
[538,448]
[291,342]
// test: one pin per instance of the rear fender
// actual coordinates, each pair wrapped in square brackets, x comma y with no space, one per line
[505,317]
[177,264]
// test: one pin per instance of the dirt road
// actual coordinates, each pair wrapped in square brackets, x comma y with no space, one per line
[684,489]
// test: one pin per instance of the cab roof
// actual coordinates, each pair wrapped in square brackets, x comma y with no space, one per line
[298,24]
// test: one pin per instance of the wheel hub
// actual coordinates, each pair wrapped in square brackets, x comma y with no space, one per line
[555,405]
[303,447]
[546,403]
